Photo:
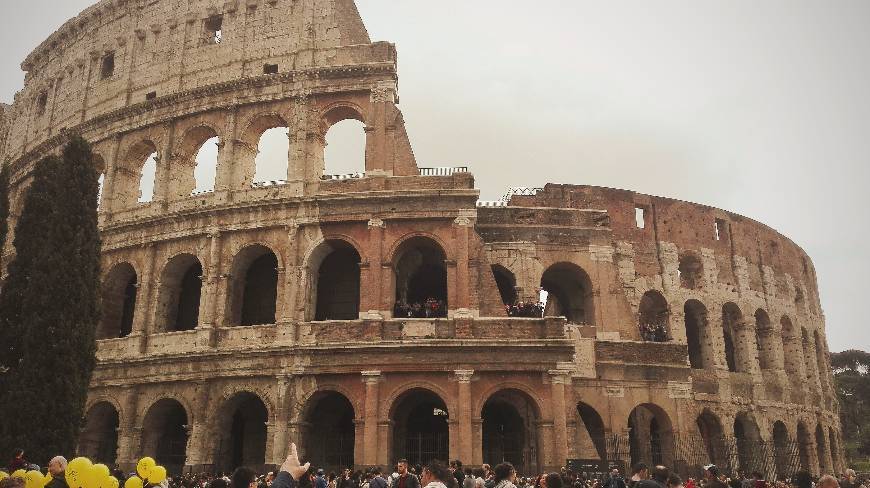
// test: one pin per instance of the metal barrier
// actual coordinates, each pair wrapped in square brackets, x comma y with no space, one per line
[443,171]
[348,176]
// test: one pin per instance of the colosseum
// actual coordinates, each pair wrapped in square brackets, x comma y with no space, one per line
[366,316]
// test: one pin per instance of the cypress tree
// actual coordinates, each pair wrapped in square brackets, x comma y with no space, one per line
[49,307]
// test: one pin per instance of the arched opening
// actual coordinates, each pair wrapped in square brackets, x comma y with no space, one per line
[242,433]
[590,438]
[420,431]
[330,435]
[507,284]
[804,444]
[792,353]
[273,155]
[653,317]
[697,336]
[731,318]
[750,448]
[119,302]
[650,436]
[134,175]
[822,451]
[809,361]
[345,151]
[205,170]
[764,338]
[335,267]
[179,294]
[99,437]
[148,180]
[569,293]
[164,434]
[253,287]
[821,363]
[100,167]
[420,271]
[785,450]
[510,430]
[691,271]
[713,438]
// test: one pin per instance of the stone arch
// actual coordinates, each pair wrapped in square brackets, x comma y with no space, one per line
[135,174]
[821,362]
[256,159]
[506,282]
[419,277]
[750,446]
[100,166]
[165,432]
[179,293]
[654,317]
[253,286]
[329,433]
[791,347]
[590,438]
[420,431]
[804,446]
[732,319]
[333,269]
[822,451]
[785,451]
[119,290]
[339,120]
[569,293]
[712,437]
[765,341]
[509,430]
[809,360]
[691,271]
[99,436]
[651,435]
[195,161]
[240,428]
[698,335]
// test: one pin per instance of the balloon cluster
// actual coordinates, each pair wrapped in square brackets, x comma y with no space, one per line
[32,479]
[81,473]
[148,470]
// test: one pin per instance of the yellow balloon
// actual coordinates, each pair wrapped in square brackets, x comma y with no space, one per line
[47,479]
[133,482]
[33,479]
[143,467]
[93,476]
[19,473]
[111,482]
[77,472]
[158,474]
[3,475]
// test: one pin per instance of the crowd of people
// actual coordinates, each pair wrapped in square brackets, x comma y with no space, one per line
[432,308]
[654,332]
[532,310]
[293,474]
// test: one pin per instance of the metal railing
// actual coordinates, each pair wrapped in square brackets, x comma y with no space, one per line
[491,203]
[264,184]
[443,171]
[348,176]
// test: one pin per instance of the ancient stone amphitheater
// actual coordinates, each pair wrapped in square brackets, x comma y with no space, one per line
[260,312]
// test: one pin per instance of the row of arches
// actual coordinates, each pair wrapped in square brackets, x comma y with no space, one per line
[263,155]
[252,290]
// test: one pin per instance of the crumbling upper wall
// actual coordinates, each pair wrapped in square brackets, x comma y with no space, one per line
[693,227]
[119,53]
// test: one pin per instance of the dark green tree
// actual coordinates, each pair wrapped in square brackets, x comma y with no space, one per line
[49,308]
[852,380]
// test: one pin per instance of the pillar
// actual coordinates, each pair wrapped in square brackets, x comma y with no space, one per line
[464,444]
[129,435]
[372,381]
[461,227]
[372,292]
[558,380]
[280,422]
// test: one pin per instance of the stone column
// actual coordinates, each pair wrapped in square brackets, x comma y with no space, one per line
[226,156]
[148,284]
[199,444]
[208,319]
[460,227]
[371,302]
[372,381]
[129,434]
[281,419]
[465,447]
[558,380]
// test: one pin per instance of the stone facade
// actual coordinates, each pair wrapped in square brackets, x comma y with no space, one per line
[238,319]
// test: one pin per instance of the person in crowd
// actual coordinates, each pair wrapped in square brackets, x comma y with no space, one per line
[57,470]
[553,480]
[218,483]
[758,480]
[456,469]
[711,477]
[12,482]
[469,481]
[479,477]
[802,479]
[320,480]
[504,476]
[850,480]
[18,461]
[435,475]
[639,472]
[376,481]
[828,481]
[659,478]
[243,478]
[675,481]
[405,479]
[615,480]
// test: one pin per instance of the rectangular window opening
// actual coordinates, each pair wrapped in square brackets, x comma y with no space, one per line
[640,217]
[719,228]
[151,95]
[214,29]
[41,103]
[107,68]
[270,69]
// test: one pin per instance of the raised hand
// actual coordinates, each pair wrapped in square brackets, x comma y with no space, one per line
[292,465]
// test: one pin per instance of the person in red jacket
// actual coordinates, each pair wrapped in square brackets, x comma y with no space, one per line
[18,461]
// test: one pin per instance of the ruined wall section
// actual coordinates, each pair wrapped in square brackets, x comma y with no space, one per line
[119,53]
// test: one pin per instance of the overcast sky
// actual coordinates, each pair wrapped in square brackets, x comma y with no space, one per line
[761,108]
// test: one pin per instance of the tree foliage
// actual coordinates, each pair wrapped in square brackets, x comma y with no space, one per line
[49,308]
[852,379]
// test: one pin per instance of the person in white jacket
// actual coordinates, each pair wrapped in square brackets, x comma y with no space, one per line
[435,475]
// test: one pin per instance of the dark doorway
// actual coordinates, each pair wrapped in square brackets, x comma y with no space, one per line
[569,293]
[338,284]
[99,438]
[243,430]
[509,433]
[331,434]
[165,434]
[261,291]
[420,427]
[421,278]
[507,284]
[187,314]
